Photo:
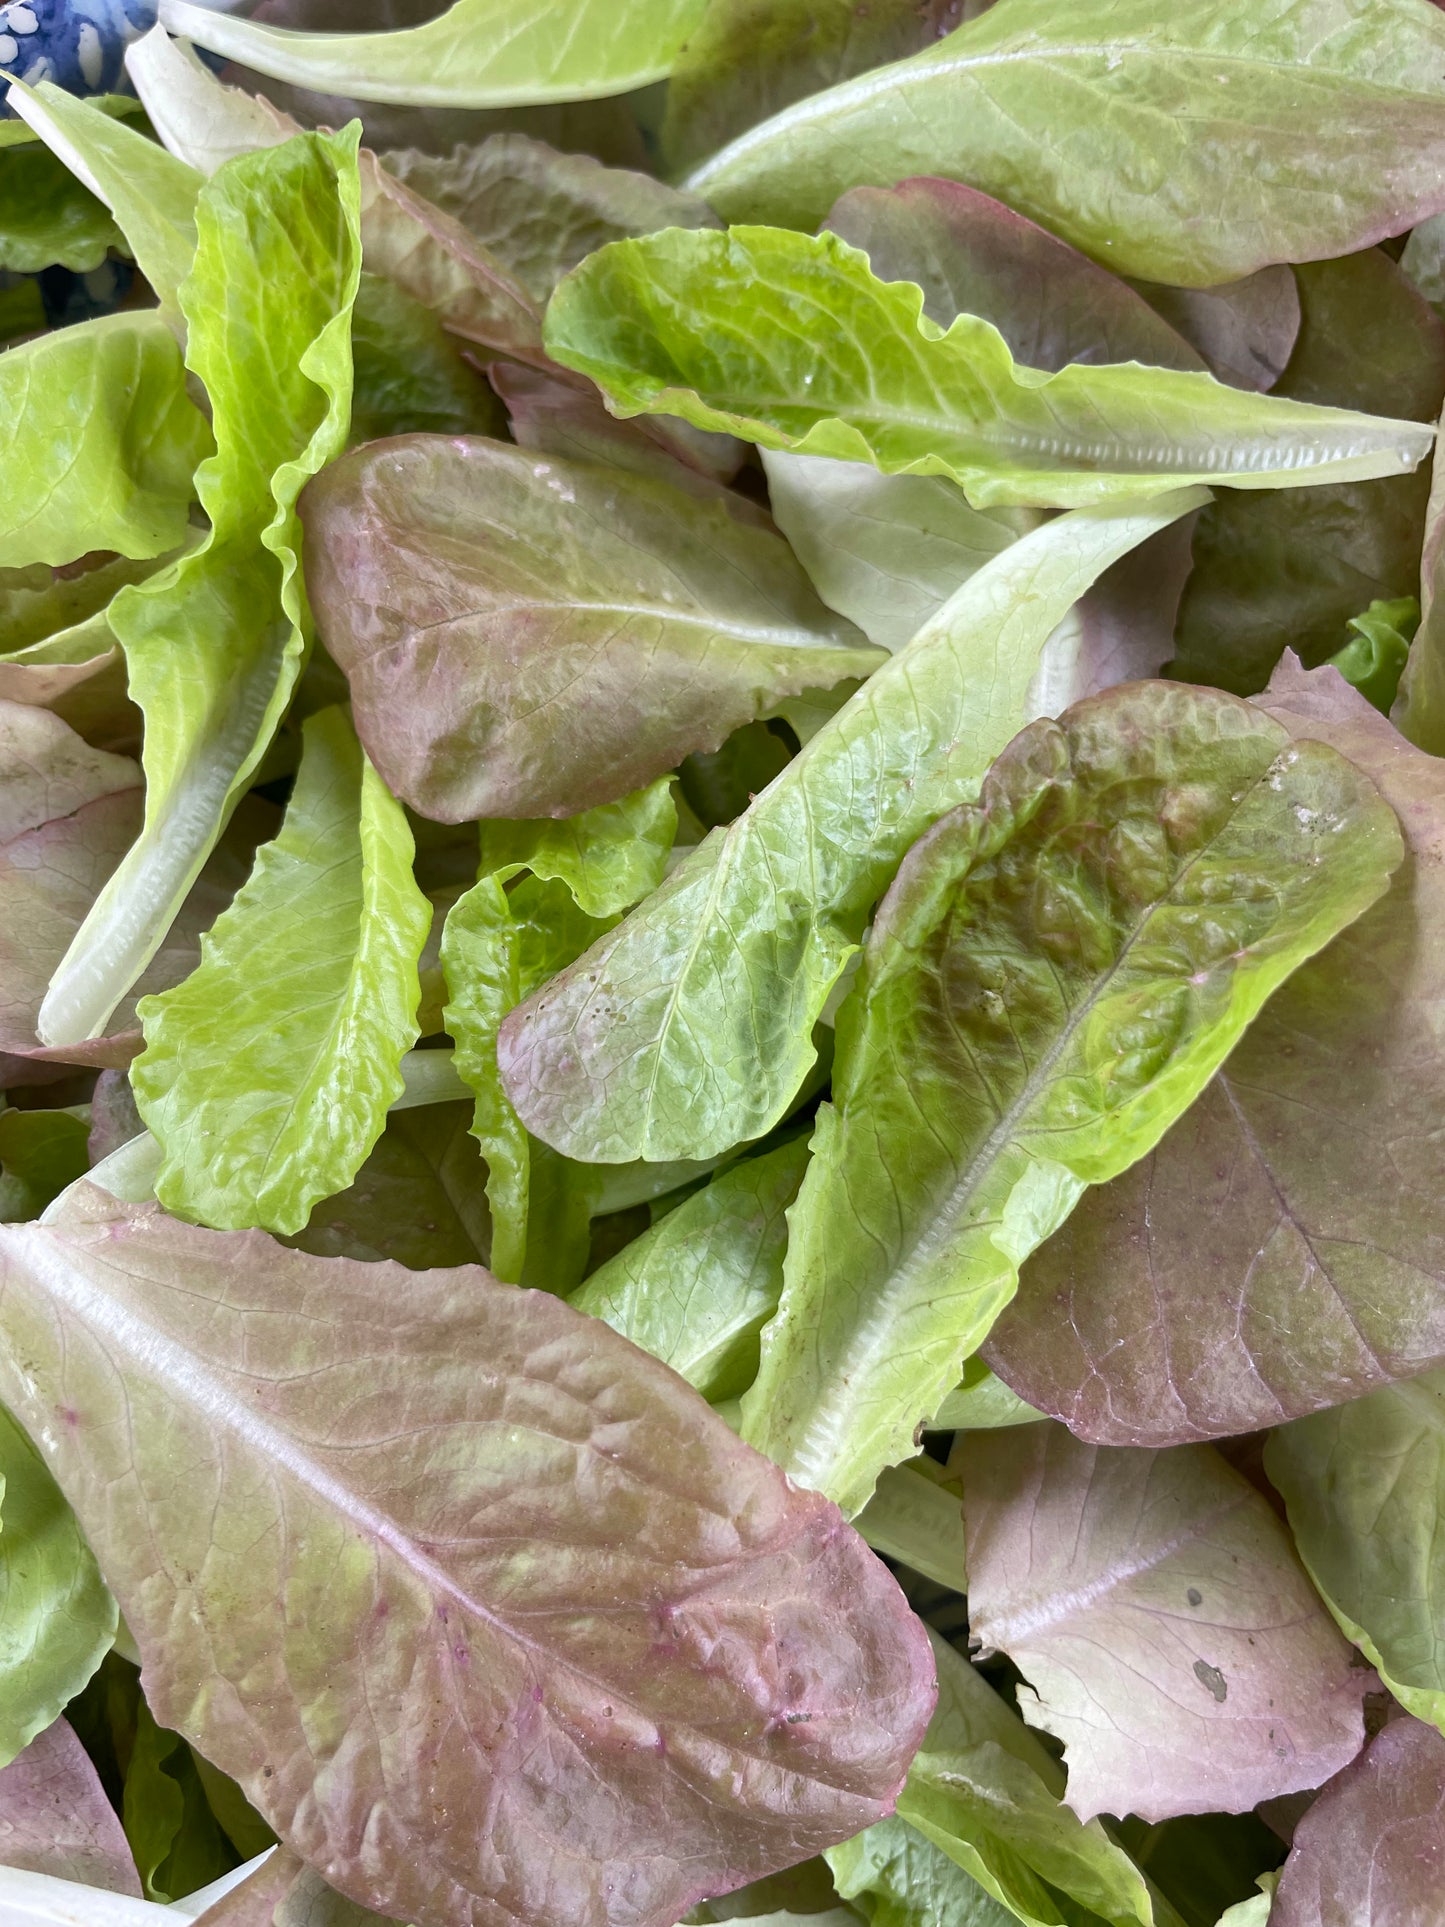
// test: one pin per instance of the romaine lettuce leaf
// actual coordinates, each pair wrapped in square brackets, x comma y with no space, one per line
[750,58]
[1369,1847]
[366,1452]
[410,374]
[267,1074]
[1419,708]
[697,1288]
[151,194]
[478,53]
[48,217]
[973,255]
[539,212]
[1250,1270]
[102,442]
[536,638]
[1116,126]
[1054,976]
[57,1617]
[214,644]
[1156,1609]
[1289,571]
[1364,1484]
[57,1820]
[985,1791]
[499,945]
[723,972]
[41,1152]
[832,361]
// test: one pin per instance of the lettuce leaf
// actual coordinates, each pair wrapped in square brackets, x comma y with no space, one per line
[537,638]
[1369,1847]
[499,945]
[57,1617]
[697,1288]
[57,1820]
[102,442]
[1290,570]
[479,53]
[1249,1271]
[654,323]
[267,1074]
[1364,1484]
[972,255]
[1053,977]
[724,971]
[1115,126]
[1167,1632]
[366,1450]
[539,212]
[214,644]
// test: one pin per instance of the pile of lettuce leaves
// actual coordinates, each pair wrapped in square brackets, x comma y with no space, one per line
[722,967]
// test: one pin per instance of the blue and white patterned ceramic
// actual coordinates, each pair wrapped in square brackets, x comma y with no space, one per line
[78,44]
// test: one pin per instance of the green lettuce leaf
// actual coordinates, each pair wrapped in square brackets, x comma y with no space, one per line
[1288,571]
[1419,708]
[916,1517]
[102,442]
[1054,976]
[48,217]
[654,323]
[539,212]
[898,1878]
[57,1619]
[501,944]
[41,1152]
[396,1489]
[1167,1631]
[410,373]
[750,58]
[420,1198]
[1378,648]
[1248,1270]
[887,551]
[151,194]
[267,1074]
[479,53]
[214,644]
[528,638]
[697,1288]
[984,1791]
[1114,125]
[1364,1484]
[177,1841]
[724,971]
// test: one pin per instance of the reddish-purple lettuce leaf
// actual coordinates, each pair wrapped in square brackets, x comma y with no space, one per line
[1157,1610]
[531,638]
[552,417]
[972,255]
[1245,330]
[1290,571]
[284,1892]
[1282,1249]
[56,1819]
[1371,1850]
[67,815]
[487,1612]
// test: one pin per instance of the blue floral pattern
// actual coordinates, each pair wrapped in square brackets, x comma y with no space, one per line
[78,44]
